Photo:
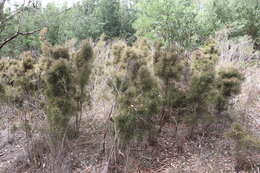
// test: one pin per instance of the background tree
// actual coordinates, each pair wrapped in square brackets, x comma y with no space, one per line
[11,26]
[171,20]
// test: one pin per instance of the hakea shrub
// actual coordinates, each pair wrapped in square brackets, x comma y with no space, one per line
[228,84]
[19,77]
[82,69]
[202,91]
[210,89]
[246,148]
[136,91]
[68,78]
[74,70]
[171,69]
[57,79]
[157,84]
[59,92]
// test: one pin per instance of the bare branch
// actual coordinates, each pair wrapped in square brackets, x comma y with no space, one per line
[16,35]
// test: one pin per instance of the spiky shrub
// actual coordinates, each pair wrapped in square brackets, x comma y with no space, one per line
[206,59]
[168,64]
[12,74]
[59,92]
[200,97]
[247,147]
[202,91]
[82,61]
[210,90]
[55,52]
[59,52]
[136,92]
[229,84]
[27,81]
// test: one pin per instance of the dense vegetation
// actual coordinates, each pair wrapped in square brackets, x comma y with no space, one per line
[188,22]
[164,66]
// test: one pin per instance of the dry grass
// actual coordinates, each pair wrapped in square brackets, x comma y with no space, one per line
[239,53]
[247,104]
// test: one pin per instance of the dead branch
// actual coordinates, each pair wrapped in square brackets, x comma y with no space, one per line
[16,35]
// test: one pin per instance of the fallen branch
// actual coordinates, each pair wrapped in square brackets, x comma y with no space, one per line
[16,35]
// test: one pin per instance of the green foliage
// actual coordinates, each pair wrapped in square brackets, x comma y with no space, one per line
[83,65]
[27,61]
[170,20]
[20,78]
[108,12]
[230,81]
[201,97]
[210,90]
[246,145]
[59,92]
[55,75]
[206,59]
[187,22]
[151,86]
[136,92]
[2,92]
[60,52]
[241,17]
[84,55]
[167,64]
[229,84]
[58,79]
[169,67]
[83,62]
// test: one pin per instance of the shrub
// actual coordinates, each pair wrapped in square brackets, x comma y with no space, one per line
[151,87]
[19,78]
[168,65]
[83,64]
[60,52]
[59,92]
[247,147]
[210,88]
[136,92]
[200,97]
[27,61]
[229,84]
[206,59]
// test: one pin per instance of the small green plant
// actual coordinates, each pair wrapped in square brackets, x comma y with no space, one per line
[246,147]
